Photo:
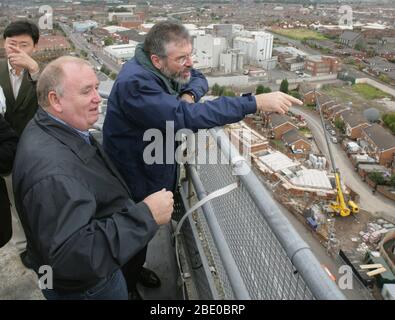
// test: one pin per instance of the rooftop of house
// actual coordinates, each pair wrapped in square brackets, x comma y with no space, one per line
[305,88]
[350,35]
[292,136]
[52,42]
[132,35]
[324,99]
[279,119]
[335,109]
[353,119]
[380,136]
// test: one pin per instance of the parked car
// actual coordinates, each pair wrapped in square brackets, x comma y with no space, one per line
[334,139]
[332,132]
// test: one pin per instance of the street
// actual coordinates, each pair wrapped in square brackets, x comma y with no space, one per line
[80,43]
[367,201]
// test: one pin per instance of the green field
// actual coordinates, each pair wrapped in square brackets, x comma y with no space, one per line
[300,34]
[368,92]
[361,96]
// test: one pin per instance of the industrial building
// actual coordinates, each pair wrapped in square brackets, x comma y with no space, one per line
[121,53]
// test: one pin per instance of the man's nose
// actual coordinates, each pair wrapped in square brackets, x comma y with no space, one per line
[189,61]
[97,98]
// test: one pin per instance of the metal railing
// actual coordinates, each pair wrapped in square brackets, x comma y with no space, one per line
[243,246]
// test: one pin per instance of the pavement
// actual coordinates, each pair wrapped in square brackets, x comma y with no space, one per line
[16,282]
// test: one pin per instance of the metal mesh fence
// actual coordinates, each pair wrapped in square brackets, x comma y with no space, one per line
[264,265]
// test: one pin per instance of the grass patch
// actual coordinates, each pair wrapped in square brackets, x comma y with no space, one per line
[342,94]
[368,92]
[279,145]
[304,130]
[309,106]
[300,34]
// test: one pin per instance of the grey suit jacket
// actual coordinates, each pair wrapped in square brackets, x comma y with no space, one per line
[19,111]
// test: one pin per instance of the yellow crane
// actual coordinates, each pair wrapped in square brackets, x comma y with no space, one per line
[340,206]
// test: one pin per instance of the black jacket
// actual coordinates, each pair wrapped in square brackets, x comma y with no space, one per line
[19,111]
[75,208]
[8,142]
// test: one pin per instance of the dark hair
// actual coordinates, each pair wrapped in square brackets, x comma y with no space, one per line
[21,27]
[162,34]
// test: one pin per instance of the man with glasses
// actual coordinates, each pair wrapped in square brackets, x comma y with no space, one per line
[157,86]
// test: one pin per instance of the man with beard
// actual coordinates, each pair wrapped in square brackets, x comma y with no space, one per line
[157,86]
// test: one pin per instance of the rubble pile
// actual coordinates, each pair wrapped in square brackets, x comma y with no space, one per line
[373,235]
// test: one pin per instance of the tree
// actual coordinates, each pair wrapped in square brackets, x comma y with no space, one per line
[105,70]
[377,177]
[262,89]
[295,94]
[221,91]
[340,125]
[215,89]
[359,46]
[108,41]
[113,75]
[284,86]
[389,120]
[83,53]
[229,93]
[121,9]
[383,77]
[259,89]
[392,181]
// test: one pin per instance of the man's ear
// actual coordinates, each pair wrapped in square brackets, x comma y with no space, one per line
[156,61]
[54,102]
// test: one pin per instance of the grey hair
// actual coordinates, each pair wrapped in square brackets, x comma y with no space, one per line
[162,34]
[51,78]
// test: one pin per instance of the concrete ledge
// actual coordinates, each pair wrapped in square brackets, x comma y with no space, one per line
[16,282]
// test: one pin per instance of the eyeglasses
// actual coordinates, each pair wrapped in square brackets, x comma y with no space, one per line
[183,60]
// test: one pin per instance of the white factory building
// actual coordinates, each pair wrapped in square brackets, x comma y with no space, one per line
[208,50]
[83,26]
[257,50]
[121,53]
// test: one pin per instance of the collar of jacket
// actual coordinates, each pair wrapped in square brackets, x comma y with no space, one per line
[141,57]
[65,135]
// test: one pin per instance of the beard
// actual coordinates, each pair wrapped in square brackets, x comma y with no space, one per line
[176,76]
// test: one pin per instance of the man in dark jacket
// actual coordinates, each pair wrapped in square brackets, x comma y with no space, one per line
[76,210]
[19,73]
[159,85]
[18,78]
[8,141]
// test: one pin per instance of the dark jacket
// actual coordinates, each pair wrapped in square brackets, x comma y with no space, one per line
[139,101]
[75,208]
[8,142]
[19,111]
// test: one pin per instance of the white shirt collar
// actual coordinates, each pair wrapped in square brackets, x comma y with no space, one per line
[11,70]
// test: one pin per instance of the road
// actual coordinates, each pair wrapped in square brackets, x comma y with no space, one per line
[368,201]
[81,44]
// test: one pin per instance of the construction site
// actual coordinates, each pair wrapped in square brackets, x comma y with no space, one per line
[286,157]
